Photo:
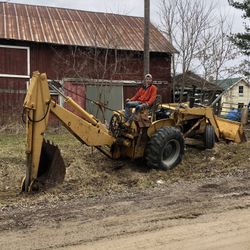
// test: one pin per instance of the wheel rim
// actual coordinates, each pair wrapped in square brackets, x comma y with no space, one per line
[114,125]
[170,152]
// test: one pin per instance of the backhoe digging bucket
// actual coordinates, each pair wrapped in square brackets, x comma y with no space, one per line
[51,169]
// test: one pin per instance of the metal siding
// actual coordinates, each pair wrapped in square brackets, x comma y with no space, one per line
[59,32]
[38,26]
[85,32]
[73,15]
[85,29]
[24,29]
[1,26]
[74,30]
[119,31]
[111,97]
[93,28]
[133,35]
[77,92]
[74,27]
[62,30]
[21,11]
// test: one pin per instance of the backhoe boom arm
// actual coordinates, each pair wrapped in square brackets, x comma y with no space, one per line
[40,154]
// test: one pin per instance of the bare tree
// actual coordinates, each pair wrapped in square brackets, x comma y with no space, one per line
[168,15]
[183,22]
[215,50]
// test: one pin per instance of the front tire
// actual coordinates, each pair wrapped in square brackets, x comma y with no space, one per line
[209,137]
[165,149]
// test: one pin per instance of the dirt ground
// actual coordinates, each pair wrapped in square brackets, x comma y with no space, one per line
[204,203]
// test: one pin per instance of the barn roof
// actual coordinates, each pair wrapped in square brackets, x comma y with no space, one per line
[76,27]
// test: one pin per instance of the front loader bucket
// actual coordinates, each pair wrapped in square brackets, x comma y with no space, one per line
[51,169]
[231,130]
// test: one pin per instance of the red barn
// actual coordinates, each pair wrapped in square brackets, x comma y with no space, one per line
[75,46]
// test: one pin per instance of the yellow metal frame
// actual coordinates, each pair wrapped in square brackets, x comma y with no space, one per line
[86,128]
[37,106]
[224,129]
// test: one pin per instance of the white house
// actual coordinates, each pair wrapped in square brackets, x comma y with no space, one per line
[236,95]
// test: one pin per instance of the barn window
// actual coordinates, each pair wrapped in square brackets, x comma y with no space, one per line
[241,90]
[14,61]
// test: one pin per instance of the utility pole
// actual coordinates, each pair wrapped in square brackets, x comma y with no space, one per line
[146,35]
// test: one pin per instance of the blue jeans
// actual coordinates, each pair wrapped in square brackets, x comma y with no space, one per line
[128,106]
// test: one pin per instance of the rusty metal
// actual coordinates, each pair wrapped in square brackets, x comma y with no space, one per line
[76,27]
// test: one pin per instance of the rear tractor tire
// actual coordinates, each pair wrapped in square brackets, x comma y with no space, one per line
[165,149]
[209,137]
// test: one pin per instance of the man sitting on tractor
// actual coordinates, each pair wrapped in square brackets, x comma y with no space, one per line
[143,99]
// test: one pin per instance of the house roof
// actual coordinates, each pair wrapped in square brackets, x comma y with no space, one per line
[227,83]
[191,79]
[76,27]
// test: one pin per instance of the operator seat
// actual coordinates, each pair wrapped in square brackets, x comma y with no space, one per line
[148,115]
[153,108]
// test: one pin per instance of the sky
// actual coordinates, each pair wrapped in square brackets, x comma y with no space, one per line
[132,7]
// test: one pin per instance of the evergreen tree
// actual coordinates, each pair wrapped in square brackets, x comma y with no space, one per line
[242,40]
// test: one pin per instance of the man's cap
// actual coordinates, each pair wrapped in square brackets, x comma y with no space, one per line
[148,76]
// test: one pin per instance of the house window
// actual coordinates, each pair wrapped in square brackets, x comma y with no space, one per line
[241,90]
[240,105]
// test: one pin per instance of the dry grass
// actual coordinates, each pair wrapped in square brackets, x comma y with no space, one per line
[12,128]
[89,173]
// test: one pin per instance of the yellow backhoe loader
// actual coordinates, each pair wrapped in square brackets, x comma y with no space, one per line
[160,142]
